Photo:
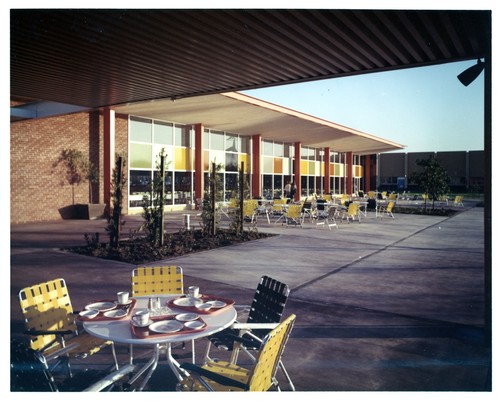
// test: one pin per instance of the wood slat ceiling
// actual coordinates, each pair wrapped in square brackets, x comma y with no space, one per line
[96,58]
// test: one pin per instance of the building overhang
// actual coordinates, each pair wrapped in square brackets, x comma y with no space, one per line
[245,115]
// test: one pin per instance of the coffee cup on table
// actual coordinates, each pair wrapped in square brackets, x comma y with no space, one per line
[141,317]
[193,291]
[122,297]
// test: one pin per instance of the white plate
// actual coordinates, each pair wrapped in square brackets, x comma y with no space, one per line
[101,306]
[115,314]
[136,324]
[187,302]
[166,326]
[204,307]
[194,325]
[186,317]
[217,304]
[89,313]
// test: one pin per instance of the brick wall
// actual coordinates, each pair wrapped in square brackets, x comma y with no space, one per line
[38,190]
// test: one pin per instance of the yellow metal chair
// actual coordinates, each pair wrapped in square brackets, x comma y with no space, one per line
[224,376]
[249,210]
[294,215]
[386,210]
[50,322]
[157,280]
[352,212]
[278,209]
[458,201]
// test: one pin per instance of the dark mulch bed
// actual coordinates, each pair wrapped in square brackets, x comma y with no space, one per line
[427,212]
[139,250]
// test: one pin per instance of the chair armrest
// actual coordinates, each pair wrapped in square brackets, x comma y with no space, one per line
[225,381]
[253,326]
[47,332]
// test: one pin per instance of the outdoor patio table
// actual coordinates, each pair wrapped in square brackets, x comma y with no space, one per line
[122,331]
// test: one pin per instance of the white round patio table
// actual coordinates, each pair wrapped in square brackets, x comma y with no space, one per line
[119,331]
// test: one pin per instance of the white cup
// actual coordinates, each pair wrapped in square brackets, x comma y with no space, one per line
[122,297]
[141,317]
[193,291]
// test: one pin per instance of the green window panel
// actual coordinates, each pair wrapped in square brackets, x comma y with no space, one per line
[140,156]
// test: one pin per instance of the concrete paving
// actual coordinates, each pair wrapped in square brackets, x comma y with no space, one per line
[382,305]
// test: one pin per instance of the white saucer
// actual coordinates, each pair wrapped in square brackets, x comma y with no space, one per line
[194,325]
[186,317]
[115,314]
[126,303]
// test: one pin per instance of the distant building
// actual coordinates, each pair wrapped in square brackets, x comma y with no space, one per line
[465,168]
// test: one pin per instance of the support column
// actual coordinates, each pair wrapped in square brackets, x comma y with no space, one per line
[296,170]
[349,172]
[199,177]
[256,165]
[367,174]
[326,176]
[109,155]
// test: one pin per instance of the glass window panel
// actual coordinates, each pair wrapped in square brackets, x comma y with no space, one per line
[181,133]
[279,149]
[140,129]
[231,162]
[182,188]
[278,186]
[140,182]
[140,156]
[232,143]
[163,133]
[267,148]
[231,185]
[268,164]
[216,140]
[303,185]
[206,139]
[267,188]
[278,166]
[244,144]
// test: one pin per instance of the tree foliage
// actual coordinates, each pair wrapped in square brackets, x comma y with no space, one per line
[432,179]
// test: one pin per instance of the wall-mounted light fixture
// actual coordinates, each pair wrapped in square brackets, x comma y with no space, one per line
[471,73]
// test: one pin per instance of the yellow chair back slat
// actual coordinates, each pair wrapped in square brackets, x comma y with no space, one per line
[294,211]
[258,378]
[157,280]
[269,356]
[46,306]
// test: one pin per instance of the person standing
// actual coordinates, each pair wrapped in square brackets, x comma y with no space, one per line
[288,188]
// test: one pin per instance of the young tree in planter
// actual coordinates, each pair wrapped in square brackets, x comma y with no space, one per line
[75,168]
[153,204]
[209,216]
[119,182]
[433,179]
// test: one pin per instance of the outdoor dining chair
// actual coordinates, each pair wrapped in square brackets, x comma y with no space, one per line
[154,280]
[50,322]
[386,210]
[157,280]
[352,212]
[294,215]
[266,310]
[29,371]
[328,218]
[225,376]
[458,201]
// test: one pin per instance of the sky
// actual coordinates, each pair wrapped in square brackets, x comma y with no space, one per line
[425,108]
